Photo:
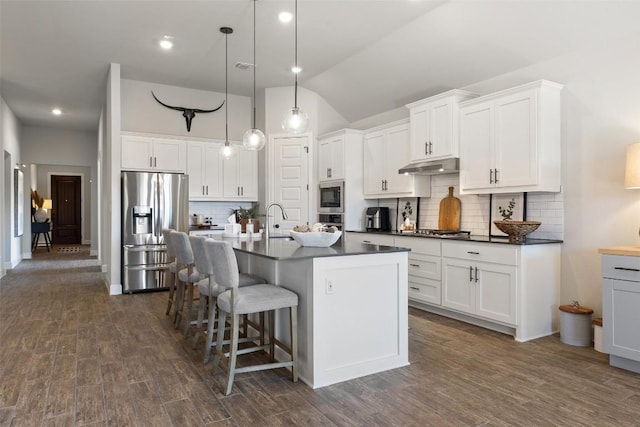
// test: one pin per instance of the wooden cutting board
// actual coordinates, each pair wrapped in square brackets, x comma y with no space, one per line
[449,215]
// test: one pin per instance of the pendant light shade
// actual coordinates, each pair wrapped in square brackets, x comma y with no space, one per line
[296,120]
[228,150]
[254,138]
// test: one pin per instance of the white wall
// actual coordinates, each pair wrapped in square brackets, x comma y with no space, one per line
[11,136]
[111,196]
[142,113]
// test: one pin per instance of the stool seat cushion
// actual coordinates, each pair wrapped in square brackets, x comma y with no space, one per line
[257,298]
[250,279]
[211,291]
[184,273]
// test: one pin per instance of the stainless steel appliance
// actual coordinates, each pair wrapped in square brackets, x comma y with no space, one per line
[331,197]
[378,219]
[332,219]
[150,202]
[442,233]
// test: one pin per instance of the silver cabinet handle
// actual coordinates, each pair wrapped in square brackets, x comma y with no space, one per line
[430,147]
[150,161]
[366,241]
[426,148]
[495,175]
[328,172]
[476,274]
[470,274]
[414,265]
[382,185]
[473,253]
[203,193]
[414,288]
[155,161]
[625,269]
[207,190]
[490,176]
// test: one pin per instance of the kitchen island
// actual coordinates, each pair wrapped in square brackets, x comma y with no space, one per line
[352,312]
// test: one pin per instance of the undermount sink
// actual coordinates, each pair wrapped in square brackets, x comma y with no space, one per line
[281,236]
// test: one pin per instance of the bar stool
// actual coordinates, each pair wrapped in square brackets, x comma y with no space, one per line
[209,291]
[238,301]
[171,269]
[187,276]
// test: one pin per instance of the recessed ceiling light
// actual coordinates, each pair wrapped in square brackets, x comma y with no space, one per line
[166,42]
[285,17]
[296,70]
[56,111]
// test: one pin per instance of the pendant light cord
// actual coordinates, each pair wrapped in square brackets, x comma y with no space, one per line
[226,88]
[254,64]
[295,92]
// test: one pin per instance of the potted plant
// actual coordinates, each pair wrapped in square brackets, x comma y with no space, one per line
[246,216]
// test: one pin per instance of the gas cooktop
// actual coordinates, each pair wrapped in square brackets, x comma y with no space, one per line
[442,233]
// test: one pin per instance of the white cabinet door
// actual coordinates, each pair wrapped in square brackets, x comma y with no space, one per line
[516,160]
[476,146]
[331,158]
[136,153]
[440,126]
[371,238]
[458,285]
[374,159]
[496,292]
[420,133]
[241,176]
[204,166]
[169,155]
[397,156]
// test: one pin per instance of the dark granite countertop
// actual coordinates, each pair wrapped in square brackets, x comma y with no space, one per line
[285,248]
[471,238]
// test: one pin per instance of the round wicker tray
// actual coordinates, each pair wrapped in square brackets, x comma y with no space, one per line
[517,230]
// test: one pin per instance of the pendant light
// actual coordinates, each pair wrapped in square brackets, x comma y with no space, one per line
[228,150]
[296,120]
[254,138]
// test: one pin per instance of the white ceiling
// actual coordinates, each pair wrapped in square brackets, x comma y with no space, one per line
[363,56]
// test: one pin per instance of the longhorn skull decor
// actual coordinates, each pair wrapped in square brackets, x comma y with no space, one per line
[187,113]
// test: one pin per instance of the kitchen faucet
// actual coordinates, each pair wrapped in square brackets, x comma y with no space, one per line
[266,225]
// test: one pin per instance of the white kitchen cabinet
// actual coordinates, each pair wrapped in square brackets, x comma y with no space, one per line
[620,314]
[434,126]
[153,154]
[241,176]
[424,268]
[506,287]
[204,166]
[510,140]
[386,150]
[331,157]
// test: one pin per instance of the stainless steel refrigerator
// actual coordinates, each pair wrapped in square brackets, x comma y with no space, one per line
[150,202]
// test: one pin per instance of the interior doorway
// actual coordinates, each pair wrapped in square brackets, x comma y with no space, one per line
[66,215]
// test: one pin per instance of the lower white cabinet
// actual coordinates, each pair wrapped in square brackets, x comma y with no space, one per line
[620,314]
[371,238]
[510,288]
[424,268]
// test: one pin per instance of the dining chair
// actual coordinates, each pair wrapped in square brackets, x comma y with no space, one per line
[170,276]
[187,275]
[237,301]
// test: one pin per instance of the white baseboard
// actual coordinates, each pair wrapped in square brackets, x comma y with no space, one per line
[104,268]
[115,290]
[86,242]
[27,255]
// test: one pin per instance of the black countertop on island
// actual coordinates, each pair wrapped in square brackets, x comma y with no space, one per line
[471,238]
[281,249]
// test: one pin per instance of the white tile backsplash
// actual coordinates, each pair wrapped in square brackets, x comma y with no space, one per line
[217,211]
[547,208]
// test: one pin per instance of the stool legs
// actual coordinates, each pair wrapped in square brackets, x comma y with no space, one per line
[172,292]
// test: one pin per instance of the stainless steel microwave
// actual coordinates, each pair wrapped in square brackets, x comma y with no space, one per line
[331,197]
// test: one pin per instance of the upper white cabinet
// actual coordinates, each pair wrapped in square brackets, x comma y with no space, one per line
[331,157]
[241,175]
[510,140]
[434,126]
[386,149]
[204,166]
[153,154]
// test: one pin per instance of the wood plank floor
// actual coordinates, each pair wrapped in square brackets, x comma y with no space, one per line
[71,355]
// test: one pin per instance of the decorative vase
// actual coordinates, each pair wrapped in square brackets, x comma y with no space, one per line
[244,223]
[517,230]
[40,215]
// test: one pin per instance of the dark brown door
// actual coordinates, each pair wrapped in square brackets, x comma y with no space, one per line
[66,218]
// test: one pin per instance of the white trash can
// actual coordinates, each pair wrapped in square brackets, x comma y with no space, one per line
[575,325]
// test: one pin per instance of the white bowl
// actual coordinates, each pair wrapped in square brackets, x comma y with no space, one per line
[318,239]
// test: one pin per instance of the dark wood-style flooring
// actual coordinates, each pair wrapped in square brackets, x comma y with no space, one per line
[70,355]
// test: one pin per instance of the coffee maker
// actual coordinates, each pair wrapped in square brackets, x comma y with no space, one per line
[378,219]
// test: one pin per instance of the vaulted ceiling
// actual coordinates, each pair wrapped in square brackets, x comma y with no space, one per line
[363,56]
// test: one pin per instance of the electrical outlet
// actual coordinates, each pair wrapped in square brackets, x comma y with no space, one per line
[330,288]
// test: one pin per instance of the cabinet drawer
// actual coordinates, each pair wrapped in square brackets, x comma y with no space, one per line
[424,266]
[621,267]
[425,290]
[498,254]
[422,245]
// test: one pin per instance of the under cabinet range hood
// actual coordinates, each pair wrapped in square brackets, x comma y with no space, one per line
[431,167]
